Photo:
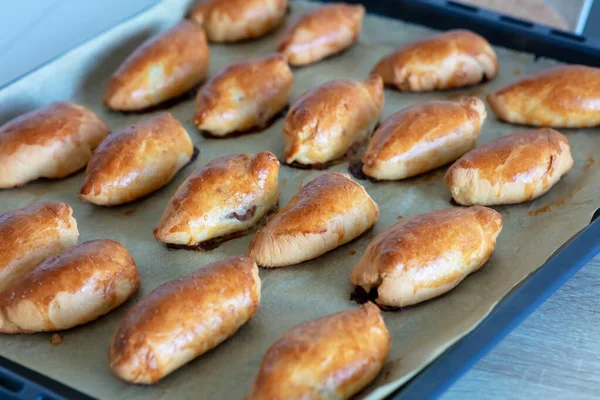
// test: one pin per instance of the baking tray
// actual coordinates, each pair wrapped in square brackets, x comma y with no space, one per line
[19,382]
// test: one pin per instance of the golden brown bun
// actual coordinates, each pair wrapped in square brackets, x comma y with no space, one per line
[71,289]
[244,96]
[184,318]
[136,161]
[329,211]
[163,67]
[230,194]
[332,357]
[511,169]
[443,61]
[423,137]
[234,20]
[322,32]
[559,97]
[28,235]
[427,255]
[326,121]
[51,142]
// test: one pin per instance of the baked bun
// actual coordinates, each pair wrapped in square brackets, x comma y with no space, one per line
[446,60]
[328,120]
[322,32]
[136,161]
[235,20]
[329,211]
[332,357]
[511,169]
[30,234]
[163,67]
[423,137]
[71,289]
[245,96]
[230,194]
[51,142]
[425,256]
[184,318]
[561,97]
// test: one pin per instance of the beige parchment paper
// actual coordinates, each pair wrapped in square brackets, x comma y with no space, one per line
[532,231]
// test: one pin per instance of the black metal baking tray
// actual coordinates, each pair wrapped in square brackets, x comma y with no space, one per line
[18,382]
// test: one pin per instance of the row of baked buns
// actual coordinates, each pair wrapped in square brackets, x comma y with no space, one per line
[47,281]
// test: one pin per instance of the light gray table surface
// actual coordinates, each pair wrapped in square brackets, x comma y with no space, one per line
[553,354]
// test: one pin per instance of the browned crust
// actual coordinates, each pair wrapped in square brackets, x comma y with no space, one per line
[336,356]
[564,96]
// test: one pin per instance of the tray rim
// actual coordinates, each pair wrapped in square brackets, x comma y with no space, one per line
[511,310]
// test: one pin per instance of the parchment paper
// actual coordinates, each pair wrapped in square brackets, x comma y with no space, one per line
[532,231]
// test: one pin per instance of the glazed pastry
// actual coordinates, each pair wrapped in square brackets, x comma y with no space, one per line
[28,235]
[511,169]
[71,289]
[329,211]
[423,137]
[183,319]
[561,97]
[322,32]
[428,255]
[444,61]
[332,357]
[244,96]
[136,161]
[328,120]
[234,20]
[163,67]
[51,142]
[230,194]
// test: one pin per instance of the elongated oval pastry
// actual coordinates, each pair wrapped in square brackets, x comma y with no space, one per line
[30,234]
[322,32]
[71,289]
[184,318]
[51,142]
[511,169]
[567,96]
[163,67]
[426,256]
[136,161]
[444,61]
[423,137]
[230,194]
[329,211]
[234,20]
[326,121]
[332,357]
[244,96]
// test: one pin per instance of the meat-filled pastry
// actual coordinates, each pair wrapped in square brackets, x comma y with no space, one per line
[322,32]
[71,289]
[326,121]
[329,211]
[426,256]
[28,235]
[136,161]
[244,96]
[423,137]
[51,142]
[184,318]
[228,195]
[511,169]
[163,67]
[561,97]
[332,357]
[234,20]
[444,61]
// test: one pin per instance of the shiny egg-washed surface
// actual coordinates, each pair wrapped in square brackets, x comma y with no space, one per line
[290,295]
